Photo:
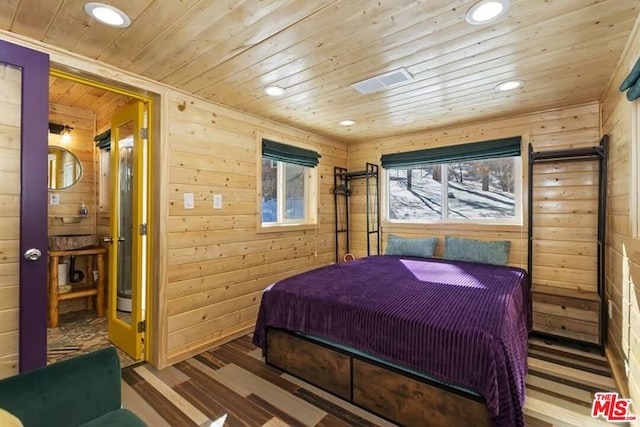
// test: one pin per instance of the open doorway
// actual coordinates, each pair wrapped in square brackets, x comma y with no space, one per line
[97,218]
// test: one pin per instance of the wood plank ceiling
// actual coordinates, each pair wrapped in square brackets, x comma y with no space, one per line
[80,96]
[229,50]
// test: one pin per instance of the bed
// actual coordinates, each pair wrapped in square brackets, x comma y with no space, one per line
[417,341]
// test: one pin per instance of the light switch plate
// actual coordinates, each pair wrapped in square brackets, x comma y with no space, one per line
[217,201]
[54,199]
[188,201]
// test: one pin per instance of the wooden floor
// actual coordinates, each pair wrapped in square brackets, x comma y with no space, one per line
[231,386]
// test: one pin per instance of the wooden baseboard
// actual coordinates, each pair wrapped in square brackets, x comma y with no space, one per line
[619,377]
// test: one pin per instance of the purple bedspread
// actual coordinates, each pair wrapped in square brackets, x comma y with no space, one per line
[463,323]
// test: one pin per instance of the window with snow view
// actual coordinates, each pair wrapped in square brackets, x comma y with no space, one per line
[287,182]
[461,191]
[283,190]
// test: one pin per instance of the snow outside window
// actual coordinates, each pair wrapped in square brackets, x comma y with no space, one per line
[473,191]
[284,193]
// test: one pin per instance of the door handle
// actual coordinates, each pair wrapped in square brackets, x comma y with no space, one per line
[109,239]
[32,254]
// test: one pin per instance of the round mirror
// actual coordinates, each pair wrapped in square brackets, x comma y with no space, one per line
[65,169]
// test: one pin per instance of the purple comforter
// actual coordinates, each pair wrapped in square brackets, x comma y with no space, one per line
[463,323]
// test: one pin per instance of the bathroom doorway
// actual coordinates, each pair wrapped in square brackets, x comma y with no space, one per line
[101,132]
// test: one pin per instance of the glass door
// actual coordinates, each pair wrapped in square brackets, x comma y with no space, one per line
[127,253]
[23,208]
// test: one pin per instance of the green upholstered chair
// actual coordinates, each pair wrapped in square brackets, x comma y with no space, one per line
[83,391]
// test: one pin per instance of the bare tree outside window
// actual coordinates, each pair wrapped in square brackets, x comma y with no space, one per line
[502,169]
[479,189]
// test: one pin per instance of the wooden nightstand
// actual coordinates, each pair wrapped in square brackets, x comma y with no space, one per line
[567,313]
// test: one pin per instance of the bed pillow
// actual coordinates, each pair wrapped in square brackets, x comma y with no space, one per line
[459,249]
[419,247]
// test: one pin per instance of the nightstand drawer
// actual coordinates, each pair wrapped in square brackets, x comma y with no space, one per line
[570,308]
[566,327]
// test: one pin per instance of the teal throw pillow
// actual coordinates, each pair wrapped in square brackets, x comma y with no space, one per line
[459,249]
[419,247]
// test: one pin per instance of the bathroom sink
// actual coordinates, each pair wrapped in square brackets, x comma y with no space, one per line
[68,242]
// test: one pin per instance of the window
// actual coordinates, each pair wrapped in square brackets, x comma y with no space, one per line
[287,185]
[432,186]
[103,143]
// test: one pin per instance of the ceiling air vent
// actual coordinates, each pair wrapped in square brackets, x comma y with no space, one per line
[382,81]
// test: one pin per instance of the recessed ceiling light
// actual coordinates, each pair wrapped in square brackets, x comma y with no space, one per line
[486,11]
[107,15]
[509,85]
[274,91]
[347,123]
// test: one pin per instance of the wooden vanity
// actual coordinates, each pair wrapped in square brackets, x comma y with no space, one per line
[92,288]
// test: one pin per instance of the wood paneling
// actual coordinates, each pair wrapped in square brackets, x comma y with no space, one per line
[219,264]
[10,147]
[227,51]
[623,243]
[548,129]
[565,206]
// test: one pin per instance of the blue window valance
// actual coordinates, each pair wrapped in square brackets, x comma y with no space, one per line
[103,141]
[287,153]
[491,149]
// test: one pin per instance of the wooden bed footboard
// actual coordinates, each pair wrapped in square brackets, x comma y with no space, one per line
[388,392]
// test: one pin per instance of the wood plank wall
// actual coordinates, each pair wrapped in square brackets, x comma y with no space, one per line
[561,128]
[218,265]
[623,240]
[103,198]
[10,98]
[565,218]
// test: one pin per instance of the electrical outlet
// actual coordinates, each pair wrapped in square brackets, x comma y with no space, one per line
[610,310]
[54,199]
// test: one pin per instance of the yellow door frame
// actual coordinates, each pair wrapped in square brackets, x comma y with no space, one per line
[149,328]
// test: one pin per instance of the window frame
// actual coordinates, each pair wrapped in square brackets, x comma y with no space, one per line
[518,199]
[311,193]
[104,181]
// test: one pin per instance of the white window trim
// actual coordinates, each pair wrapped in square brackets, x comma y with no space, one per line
[516,220]
[311,189]
[282,200]
[104,182]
